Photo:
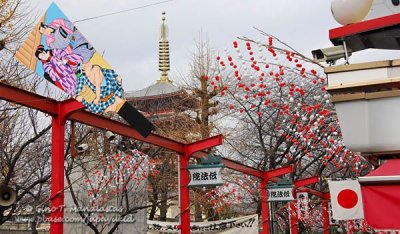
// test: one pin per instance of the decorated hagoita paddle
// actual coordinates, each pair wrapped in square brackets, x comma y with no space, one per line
[58,52]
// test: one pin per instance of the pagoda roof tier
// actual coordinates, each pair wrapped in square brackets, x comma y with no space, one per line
[155,91]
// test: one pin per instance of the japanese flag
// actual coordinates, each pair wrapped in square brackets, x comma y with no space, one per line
[346,199]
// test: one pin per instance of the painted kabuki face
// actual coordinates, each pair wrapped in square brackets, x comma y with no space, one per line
[45,30]
[44,55]
[86,67]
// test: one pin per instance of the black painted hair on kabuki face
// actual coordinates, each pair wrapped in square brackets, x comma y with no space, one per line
[40,49]
[45,26]
[42,25]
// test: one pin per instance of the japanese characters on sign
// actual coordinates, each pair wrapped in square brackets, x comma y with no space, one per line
[241,225]
[280,194]
[302,204]
[206,176]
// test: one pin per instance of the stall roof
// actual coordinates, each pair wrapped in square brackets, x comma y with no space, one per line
[378,33]
[382,201]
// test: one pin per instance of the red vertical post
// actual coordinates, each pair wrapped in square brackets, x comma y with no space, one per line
[264,207]
[184,196]
[294,209]
[57,176]
[325,216]
[268,175]
[293,216]
[64,109]
[184,176]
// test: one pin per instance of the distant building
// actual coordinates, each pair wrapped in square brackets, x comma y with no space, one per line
[171,109]
[168,106]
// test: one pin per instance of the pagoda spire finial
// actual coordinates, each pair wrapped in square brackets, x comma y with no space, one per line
[164,51]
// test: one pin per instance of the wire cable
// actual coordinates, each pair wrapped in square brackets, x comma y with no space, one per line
[118,12]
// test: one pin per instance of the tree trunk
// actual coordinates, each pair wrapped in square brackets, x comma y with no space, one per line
[164,206]
[198,214]
[258,207]
[153,206]
[211,215]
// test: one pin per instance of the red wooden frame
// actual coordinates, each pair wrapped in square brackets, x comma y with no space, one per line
[298,184]
[74,111]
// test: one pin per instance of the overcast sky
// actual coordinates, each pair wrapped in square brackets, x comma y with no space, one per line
[130,40]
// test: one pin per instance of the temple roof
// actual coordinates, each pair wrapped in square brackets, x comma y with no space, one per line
[154,91]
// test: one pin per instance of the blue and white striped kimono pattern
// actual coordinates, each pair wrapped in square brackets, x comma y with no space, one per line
[109,85]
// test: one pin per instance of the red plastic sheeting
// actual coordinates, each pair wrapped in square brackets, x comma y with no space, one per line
[382,202]
[390,167]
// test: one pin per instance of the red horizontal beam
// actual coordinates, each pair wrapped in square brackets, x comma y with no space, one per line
[125,130]
[312,191]
[278,172]
[301,183]
[203,144]
[49,106]
[70,106]
[242,168]
[236,166]
[28,99]
[306,181]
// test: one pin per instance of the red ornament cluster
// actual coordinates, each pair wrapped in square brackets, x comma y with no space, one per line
[273,80]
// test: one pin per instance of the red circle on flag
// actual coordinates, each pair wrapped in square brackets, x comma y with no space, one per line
[347,198]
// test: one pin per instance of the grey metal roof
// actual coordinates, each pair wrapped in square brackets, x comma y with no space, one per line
[157,89]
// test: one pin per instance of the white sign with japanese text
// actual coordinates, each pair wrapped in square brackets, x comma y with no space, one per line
[280,194]
[205,176]
[302,205]
[240,225]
